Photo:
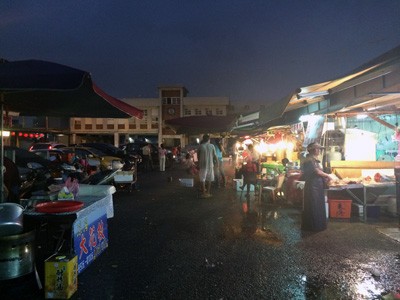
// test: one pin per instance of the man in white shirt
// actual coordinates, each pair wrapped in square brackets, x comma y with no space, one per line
[206,156]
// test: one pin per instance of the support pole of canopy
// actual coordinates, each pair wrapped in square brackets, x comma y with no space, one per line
[2,196]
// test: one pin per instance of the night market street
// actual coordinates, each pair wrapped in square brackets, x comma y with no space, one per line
[165,242]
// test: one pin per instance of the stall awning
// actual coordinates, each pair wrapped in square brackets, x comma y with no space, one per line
[42,88]
[325,97]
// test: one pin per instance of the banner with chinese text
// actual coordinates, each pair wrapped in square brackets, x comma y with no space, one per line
[90,237]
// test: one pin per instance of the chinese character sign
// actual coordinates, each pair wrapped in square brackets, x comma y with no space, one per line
[90,238]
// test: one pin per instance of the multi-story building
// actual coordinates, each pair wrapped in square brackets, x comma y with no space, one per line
[172,102]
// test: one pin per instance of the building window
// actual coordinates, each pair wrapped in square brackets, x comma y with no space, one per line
[154,122]
[208,112]
[171,100]
[78,124]
[188,112]
[197,112]
[219,112]
[144,119]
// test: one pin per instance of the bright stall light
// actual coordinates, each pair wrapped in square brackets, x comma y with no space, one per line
[281,145]
[262,147]
[361,116]
[248,142]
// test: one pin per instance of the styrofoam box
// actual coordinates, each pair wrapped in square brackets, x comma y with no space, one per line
[189,182]
[238,183]
[123,176]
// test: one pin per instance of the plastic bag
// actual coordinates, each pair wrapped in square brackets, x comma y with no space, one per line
[65,194]
[73,186]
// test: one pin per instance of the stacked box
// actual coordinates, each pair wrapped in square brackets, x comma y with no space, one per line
[61,276]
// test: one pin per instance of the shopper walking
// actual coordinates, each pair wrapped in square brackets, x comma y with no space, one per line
[206,156]
[219,168]
[162,154]
[146,156]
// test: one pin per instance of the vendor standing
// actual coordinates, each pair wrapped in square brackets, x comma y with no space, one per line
[314,215]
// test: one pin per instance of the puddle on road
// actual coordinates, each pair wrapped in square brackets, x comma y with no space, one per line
[249,224]
[316,288]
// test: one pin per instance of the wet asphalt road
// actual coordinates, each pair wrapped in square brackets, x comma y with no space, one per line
[165,242]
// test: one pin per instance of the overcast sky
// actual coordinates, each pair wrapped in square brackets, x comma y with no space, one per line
[245,50]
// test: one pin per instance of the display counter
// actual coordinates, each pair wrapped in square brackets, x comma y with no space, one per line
[82,232]
[359,193]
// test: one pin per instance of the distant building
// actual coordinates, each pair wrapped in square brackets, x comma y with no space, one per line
[172,102]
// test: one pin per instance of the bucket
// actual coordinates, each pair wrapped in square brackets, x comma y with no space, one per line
[17,255]
[11,219]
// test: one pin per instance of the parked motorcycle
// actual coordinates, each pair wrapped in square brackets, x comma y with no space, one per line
[102,177]
[34,177]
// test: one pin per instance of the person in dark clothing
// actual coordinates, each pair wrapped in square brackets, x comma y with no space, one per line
[11,180]
[313,215]
[249,171]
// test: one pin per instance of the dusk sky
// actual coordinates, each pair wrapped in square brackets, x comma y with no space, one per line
[244,50]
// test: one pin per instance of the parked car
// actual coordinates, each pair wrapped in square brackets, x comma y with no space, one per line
[136,148]
[107,149]
[58,154]
[38,146]
[96,157]
[22,157]
[128,158]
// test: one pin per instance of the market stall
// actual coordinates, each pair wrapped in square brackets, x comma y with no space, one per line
[74,227]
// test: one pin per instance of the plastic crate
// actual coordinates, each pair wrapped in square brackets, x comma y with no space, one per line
[339,208]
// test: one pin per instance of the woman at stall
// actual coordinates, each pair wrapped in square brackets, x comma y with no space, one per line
[314,216]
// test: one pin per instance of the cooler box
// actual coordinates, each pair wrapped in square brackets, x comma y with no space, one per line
[61,276]
[339,208]
[124,176]
[189,182]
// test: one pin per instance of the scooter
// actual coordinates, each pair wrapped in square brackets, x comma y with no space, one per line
[33,178]
[102,177]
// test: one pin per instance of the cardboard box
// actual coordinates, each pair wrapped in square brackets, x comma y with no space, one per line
[189,182]
[61,276]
